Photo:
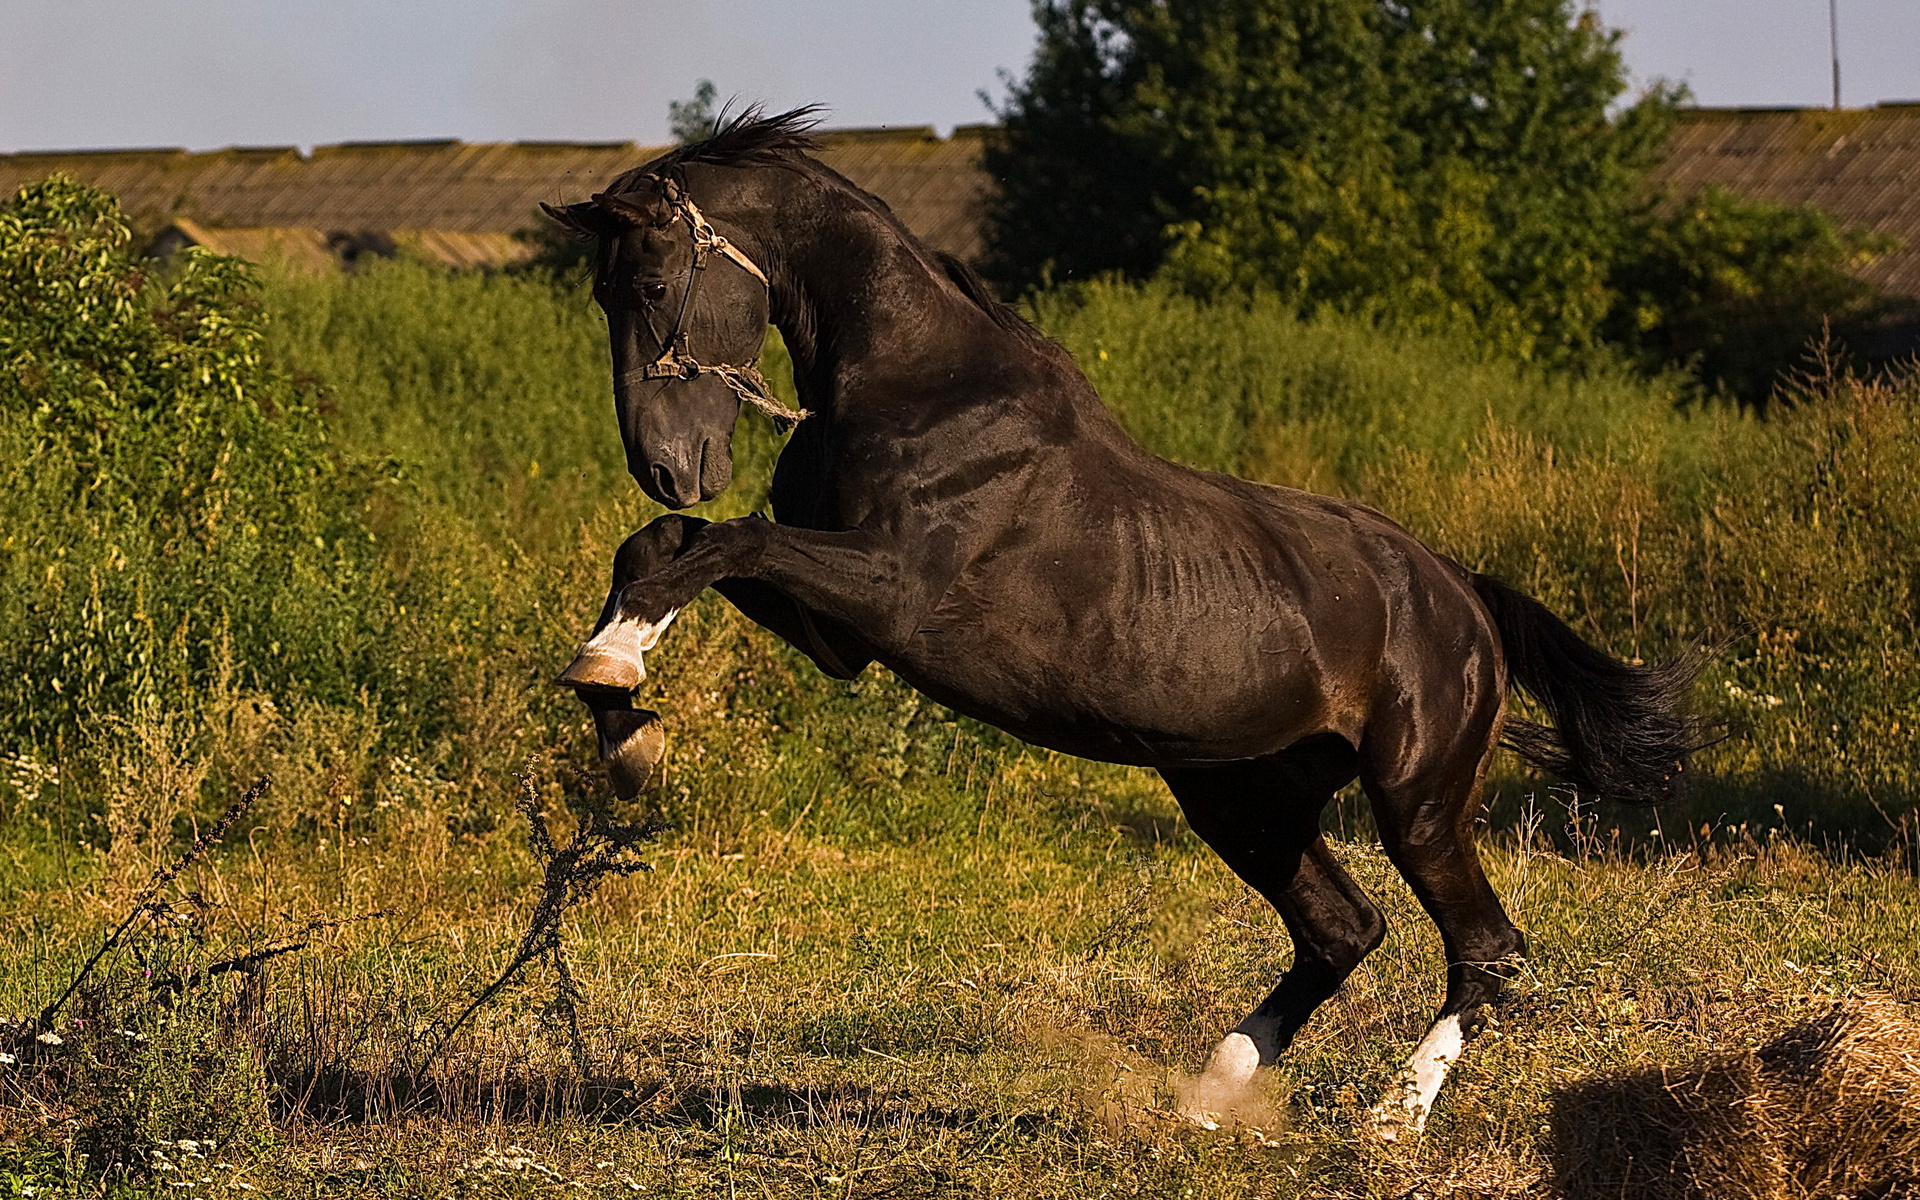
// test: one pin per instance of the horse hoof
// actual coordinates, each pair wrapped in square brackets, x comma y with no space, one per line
[1233,1062]
[632,743]
[596,672]
[1224,1090]
[1392,1119]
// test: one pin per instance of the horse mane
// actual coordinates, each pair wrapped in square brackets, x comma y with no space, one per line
[998,311]
[750,138]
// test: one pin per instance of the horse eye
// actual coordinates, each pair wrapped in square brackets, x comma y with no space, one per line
[652,292]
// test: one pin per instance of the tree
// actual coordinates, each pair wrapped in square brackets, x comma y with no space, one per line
[694,120]
[1436,162]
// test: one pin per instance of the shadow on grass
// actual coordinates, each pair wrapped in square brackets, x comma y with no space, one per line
[334,1096]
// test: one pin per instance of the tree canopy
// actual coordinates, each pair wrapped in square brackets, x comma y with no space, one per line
[1437,162]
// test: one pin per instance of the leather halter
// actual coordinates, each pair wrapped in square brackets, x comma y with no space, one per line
[676,360]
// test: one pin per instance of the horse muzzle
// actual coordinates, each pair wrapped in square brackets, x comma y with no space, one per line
[682,476]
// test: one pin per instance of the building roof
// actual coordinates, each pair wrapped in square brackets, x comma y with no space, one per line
[431,191]
[461,202]
[1860,164]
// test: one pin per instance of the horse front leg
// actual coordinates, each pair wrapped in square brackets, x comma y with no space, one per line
[852,578]
[631,740]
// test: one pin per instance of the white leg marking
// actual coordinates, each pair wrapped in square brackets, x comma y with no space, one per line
[627,641]
[1226,1086]
[1405,1106]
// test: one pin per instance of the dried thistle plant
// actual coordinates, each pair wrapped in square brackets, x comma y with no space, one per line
[145,903]
[600,848]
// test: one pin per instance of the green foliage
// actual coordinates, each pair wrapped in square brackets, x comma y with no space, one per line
[1435,165]
[167,496]
[693,119]
[1738,289]
[1443,163]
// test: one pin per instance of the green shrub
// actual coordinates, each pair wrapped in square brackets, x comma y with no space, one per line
[1445,165]
[1738,290]
[166,495]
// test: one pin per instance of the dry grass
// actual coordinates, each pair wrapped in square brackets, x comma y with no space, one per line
[1006,1006]
[1827,1108]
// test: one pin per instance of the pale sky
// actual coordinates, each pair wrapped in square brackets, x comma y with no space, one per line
[209,73]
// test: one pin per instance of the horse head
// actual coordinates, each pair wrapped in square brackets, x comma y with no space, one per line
[686,313]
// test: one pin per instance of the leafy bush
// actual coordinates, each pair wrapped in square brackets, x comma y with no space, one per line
[1738,289]
[167,494]
[1437,167]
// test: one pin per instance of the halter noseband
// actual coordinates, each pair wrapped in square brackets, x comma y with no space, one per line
[676,361]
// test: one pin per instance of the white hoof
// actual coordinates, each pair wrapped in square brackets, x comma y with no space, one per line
[1233,1061]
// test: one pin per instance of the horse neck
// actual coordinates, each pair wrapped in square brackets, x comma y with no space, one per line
[846,287]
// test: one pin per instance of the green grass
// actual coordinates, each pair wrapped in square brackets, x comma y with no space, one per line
[885,950]
[1000,1007]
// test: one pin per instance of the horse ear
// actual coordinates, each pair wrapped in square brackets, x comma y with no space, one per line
[636,208]
[581,220]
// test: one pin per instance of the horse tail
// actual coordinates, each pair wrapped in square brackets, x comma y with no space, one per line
[1615,730]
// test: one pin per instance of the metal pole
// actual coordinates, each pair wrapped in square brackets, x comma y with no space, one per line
[1833,38]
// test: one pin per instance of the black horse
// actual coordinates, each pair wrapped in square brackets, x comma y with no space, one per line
[958,505]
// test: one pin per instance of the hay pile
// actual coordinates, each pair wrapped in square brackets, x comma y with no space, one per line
[1828,1110]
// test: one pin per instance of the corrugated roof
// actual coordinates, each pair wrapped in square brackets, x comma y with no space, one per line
[1862,165]
[450,188]
[304,249]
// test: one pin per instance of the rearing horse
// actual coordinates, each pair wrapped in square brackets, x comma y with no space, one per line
[958,505]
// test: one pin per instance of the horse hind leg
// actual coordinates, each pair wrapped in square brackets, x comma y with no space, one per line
[1426,817]
[1263,819]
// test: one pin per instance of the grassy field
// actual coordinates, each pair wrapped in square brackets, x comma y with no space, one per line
[883,951]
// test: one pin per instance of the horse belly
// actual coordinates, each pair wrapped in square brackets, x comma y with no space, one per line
[1149,684]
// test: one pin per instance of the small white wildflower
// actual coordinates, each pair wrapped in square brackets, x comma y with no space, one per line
[50,1038]
[7,1059]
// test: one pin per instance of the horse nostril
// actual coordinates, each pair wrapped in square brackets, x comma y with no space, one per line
[663,480]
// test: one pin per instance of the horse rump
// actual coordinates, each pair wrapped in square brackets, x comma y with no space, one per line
[1616,730]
